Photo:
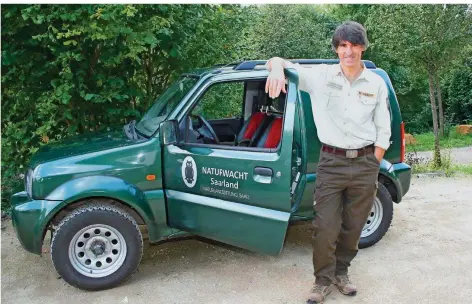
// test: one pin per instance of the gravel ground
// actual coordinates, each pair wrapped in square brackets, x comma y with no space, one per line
[459,155]
[425,257]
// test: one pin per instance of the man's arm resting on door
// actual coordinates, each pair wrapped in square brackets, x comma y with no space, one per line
[306,76]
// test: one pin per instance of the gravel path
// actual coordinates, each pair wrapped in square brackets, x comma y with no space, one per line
[459,155]
[425,257]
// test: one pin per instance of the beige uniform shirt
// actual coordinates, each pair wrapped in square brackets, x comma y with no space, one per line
[348,116]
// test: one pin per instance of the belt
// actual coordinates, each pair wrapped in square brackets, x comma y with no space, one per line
[349,153]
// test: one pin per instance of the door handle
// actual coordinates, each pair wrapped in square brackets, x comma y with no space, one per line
[263,175]
[263,171]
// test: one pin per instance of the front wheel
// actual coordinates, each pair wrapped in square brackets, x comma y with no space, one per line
[379,218]
[96,247]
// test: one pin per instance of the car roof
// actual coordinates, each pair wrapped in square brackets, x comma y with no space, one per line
[250,65]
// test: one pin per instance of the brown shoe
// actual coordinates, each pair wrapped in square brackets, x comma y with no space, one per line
[318,293]
[344,285]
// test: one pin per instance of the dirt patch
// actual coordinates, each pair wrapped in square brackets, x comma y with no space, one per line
[425,257]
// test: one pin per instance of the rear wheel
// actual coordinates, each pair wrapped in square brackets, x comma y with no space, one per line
[379,218]
[96,247]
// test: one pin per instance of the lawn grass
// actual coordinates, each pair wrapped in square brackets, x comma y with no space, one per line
[465,169]
[449,171]
[425,141]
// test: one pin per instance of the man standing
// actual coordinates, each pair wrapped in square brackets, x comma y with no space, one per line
[351,113]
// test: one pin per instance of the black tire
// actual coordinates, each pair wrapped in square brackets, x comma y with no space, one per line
[93,214]
[387,207]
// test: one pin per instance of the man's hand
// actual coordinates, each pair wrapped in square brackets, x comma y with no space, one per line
[276,80]
[379,153]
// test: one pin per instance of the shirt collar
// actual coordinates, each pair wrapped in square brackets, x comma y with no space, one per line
[364,74]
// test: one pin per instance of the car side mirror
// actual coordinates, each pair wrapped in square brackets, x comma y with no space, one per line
[169,132]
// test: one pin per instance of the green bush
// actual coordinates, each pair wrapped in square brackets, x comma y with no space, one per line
[71,69]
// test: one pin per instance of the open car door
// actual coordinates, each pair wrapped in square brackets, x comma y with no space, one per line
[242,197]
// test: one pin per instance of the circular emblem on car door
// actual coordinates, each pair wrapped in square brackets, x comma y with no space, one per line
[189,172]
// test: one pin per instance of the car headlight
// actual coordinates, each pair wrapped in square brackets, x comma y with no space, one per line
[29,183]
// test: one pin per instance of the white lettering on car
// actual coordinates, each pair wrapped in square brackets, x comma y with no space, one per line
[225,173]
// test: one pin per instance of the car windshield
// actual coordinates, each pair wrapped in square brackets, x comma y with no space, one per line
[164,105]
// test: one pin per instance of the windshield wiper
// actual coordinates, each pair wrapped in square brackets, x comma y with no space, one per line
[130,130]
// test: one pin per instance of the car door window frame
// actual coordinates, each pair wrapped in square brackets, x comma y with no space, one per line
[194,100]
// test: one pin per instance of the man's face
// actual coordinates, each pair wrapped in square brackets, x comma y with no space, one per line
[349,54]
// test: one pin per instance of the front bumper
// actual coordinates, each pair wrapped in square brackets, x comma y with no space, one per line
[29,219]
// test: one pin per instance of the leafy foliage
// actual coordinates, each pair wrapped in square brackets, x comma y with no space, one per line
[457,86]
[291,31]
[222,100]
[427,38]
[71,69]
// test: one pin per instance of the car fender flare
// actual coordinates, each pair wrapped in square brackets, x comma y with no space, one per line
[388,177]
[100,186]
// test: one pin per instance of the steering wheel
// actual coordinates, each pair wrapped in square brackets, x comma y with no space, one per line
[207,126]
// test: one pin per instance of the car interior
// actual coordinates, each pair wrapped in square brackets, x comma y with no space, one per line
[255,120]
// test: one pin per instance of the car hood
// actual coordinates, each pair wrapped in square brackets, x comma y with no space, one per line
[81,144]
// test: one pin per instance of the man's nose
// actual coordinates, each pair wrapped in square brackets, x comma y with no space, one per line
[348,50]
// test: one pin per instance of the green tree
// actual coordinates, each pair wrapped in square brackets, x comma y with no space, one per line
[457,85]
[291,31]
[426,37]
[71,69]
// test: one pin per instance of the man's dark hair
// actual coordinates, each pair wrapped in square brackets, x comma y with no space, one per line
[350,31]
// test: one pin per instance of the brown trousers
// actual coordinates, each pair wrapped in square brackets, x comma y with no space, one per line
[345,191]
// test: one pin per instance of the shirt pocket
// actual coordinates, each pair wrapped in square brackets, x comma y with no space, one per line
[366,106]
[368,101]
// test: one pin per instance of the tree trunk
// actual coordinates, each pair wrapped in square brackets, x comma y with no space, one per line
[437,153]
[440,105]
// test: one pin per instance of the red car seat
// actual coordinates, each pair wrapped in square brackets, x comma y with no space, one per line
[271,136]
[252,129]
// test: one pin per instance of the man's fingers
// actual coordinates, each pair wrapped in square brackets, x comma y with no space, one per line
[280,85]
[274,85]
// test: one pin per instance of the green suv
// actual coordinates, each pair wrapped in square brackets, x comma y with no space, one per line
[214,156]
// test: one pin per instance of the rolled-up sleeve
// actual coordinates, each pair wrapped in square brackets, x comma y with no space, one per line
[382,118]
